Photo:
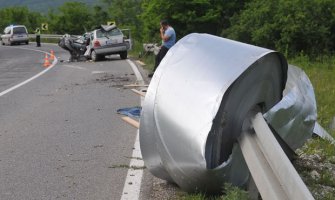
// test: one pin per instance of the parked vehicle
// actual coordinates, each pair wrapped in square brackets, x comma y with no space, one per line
[108,40]
[15,34]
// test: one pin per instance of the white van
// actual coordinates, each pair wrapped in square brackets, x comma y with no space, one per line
[15,34]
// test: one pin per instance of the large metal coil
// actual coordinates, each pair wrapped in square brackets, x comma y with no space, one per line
[196,105]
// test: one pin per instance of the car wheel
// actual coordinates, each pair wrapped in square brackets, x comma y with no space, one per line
[124,55]
[27,42]
[94,56]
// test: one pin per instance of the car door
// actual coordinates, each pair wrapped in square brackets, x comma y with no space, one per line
[110,38]
[102,37]
[115,36]
[6,35]
[20,33]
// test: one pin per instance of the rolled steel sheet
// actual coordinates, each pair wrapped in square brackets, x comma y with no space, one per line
[294,117]
[196,106]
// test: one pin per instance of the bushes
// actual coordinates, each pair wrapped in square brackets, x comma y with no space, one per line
[290,27]
[287,26]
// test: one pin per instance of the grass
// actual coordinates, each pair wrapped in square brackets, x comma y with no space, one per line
[321,72]
[232,193]
[138,53]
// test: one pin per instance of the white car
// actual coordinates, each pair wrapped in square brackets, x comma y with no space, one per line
[15,34]
[108,40]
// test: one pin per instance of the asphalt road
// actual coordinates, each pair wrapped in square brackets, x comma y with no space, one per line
[60,135]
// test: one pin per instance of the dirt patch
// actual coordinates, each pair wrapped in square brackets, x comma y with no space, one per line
[115,80]
[112,78]
[317,172]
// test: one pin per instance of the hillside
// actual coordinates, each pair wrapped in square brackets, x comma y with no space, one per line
[41,5]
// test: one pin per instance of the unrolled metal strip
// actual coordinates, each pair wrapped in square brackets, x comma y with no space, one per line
[294,117]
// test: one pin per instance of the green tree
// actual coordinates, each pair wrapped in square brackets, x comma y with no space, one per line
[35,20]
[204,16]
[74,18]
[19,15]
[52,19]
[14,15]
[125,13]
[100,16]
[288,26]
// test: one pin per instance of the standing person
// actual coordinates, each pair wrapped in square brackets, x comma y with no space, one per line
[168,36]
[38,37]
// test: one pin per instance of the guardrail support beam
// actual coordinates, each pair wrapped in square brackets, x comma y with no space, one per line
[272,171]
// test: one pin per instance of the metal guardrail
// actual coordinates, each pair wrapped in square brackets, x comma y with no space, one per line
[273,173]
[48,36]
[126,32]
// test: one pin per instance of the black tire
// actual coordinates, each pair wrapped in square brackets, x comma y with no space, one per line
[27,42]
[123,55]
[94,56]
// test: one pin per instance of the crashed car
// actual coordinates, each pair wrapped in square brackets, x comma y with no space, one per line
[76,45]
[103,41]
[108,40]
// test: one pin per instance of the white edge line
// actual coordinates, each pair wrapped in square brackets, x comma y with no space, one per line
[136,71]
[74,67]
[132,185]
[32,78]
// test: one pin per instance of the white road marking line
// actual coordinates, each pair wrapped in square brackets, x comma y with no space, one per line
[99,72]
[137,72]
[74,67]
[32,78]
[132,185]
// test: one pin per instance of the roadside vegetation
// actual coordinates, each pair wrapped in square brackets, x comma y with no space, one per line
[290,27]
[316,162]
[304,31]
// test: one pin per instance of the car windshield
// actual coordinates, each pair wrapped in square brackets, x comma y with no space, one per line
[110,33]
[19,30]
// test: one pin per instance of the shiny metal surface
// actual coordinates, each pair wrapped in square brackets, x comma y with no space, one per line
[295,115]
[320,131]
[271,169]
[196,106]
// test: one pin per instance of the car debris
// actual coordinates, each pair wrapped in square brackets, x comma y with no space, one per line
[76,45]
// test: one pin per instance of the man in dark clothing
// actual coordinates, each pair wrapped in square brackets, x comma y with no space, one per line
[38,37]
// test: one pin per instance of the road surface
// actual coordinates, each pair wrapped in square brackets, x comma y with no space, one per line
[60,135]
